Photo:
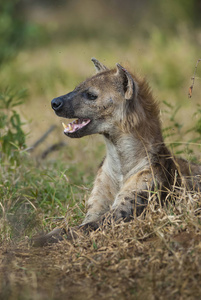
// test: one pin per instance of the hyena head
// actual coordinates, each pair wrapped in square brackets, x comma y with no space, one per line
[104,103]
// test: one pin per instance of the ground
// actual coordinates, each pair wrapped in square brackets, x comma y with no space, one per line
[157,256]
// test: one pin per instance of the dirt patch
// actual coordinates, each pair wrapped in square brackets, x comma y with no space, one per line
[122,262]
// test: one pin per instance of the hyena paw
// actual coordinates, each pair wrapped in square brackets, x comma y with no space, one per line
[128,207]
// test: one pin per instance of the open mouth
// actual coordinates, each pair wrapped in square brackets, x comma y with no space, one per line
[75,125]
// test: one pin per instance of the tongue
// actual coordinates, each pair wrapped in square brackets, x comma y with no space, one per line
[75,125]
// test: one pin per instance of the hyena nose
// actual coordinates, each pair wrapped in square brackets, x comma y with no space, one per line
[57,103]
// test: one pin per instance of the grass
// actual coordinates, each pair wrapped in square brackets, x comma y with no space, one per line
[156,256]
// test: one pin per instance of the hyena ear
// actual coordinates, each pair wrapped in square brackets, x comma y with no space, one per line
[99,67]
[129,86]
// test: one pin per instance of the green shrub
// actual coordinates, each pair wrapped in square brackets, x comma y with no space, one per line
[15,30]
[12,137]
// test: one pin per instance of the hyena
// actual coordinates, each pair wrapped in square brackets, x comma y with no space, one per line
[121,107]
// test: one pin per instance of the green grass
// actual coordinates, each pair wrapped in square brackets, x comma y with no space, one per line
[35,194]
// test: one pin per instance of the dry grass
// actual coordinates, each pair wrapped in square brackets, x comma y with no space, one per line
[156,256]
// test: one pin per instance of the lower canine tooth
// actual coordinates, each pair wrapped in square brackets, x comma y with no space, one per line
[70,127]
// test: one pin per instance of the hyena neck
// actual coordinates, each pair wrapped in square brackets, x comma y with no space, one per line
[128,154]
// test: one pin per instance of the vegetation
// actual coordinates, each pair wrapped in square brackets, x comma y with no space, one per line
[156,256]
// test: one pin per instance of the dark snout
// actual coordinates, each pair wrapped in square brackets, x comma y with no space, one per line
[57,103]
[63,105]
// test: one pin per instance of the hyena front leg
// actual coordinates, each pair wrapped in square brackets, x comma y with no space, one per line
[130,201]
[101,198]
[133,196]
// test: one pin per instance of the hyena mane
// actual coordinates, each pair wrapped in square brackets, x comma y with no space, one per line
[142,115]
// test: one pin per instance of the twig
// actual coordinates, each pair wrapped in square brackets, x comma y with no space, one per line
[193,80]
[42,138]
[52,148]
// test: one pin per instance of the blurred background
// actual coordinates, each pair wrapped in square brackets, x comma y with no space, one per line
[46,47]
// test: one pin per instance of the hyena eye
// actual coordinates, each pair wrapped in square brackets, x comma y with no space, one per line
[90,96]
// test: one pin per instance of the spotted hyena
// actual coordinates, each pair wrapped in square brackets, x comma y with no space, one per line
[120,106]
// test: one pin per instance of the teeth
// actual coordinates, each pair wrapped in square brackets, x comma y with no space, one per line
[75,125]
[64,125]
[67,127]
